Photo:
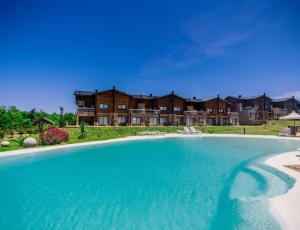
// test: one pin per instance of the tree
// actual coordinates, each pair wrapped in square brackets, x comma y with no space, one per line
[71,118]
[62,122]
[13,120]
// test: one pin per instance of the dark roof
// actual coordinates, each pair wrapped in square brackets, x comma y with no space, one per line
[213,98]
[119,91]
[193,99]
[170,94]
[247,98]
[84,93]
[45,119]
[284,99]
[147,97]
[281,99]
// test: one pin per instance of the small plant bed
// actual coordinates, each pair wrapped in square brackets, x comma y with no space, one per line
[53,136]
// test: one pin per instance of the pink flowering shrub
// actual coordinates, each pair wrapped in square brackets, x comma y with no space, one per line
[53,136]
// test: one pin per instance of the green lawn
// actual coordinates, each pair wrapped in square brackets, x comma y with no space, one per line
[105,133]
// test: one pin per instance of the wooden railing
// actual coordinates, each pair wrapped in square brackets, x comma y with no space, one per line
[144,111]
[85,110]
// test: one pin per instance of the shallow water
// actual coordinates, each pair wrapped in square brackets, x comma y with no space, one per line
[173,183]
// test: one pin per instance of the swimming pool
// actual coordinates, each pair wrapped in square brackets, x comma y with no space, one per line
[170,183]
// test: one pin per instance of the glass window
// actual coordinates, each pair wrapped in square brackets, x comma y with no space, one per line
[209,110]
[177,109]
[153,121]
[121,106]
[103,106]
[163,108]
[221,110]
[252,115]
[121,120]
[135,120]
[162,120]
[103,121]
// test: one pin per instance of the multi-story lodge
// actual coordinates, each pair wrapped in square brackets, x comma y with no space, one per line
[256,110]
[114,107]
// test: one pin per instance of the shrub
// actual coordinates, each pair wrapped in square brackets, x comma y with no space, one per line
[2,134]
[53,136]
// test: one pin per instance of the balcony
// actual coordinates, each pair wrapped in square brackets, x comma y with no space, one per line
[85,111]
[195,113]
[144,111]
[233,115]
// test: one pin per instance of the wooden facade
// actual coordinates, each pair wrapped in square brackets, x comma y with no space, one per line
[284,106]
[257,110]
[114,107]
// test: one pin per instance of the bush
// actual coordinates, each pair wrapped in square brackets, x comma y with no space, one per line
[53,136]
[2,134]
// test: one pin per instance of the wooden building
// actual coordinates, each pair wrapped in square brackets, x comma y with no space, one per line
[252,110]
[218,112]
[283,106]
[114,107]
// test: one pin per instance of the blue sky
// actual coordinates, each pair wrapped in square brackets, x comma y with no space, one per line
[48,49]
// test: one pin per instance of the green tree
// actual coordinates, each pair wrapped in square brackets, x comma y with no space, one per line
[71,118]
[62,121]
[13,120]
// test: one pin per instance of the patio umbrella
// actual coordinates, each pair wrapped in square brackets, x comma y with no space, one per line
[292,116]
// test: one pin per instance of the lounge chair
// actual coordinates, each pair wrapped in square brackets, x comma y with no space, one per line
[286,132]
[194,131]
[185,130]
[150,133]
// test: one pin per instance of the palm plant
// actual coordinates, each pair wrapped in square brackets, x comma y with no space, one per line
[82,131]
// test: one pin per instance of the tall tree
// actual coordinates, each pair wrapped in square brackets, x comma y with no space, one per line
[62,121]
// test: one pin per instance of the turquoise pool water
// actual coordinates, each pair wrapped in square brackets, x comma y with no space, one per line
[172,183]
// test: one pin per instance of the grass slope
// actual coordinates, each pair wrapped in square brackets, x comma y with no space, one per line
[105,133]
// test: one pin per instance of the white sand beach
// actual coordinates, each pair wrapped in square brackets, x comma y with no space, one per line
[286,207]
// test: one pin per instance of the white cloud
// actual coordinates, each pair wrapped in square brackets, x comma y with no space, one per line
[210,34]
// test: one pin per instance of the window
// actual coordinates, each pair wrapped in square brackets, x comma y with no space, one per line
[189,121]
[135,120]
[103,106]
[163,108]
[121,120]
[221,110]
[103,121]
[252,115]
[153,121]
[209,110]
[176,109]
[121,106]
[162,120]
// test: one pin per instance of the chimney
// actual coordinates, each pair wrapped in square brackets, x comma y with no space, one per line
[240,96]
[194,98]
[96,90]
[114,87]
[150,94]
[172,92]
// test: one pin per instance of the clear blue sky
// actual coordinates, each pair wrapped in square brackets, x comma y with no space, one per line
[48,49]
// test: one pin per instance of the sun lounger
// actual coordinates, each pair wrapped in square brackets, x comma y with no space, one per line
[286,132]
[185,130]
[194,131]
[150,133]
